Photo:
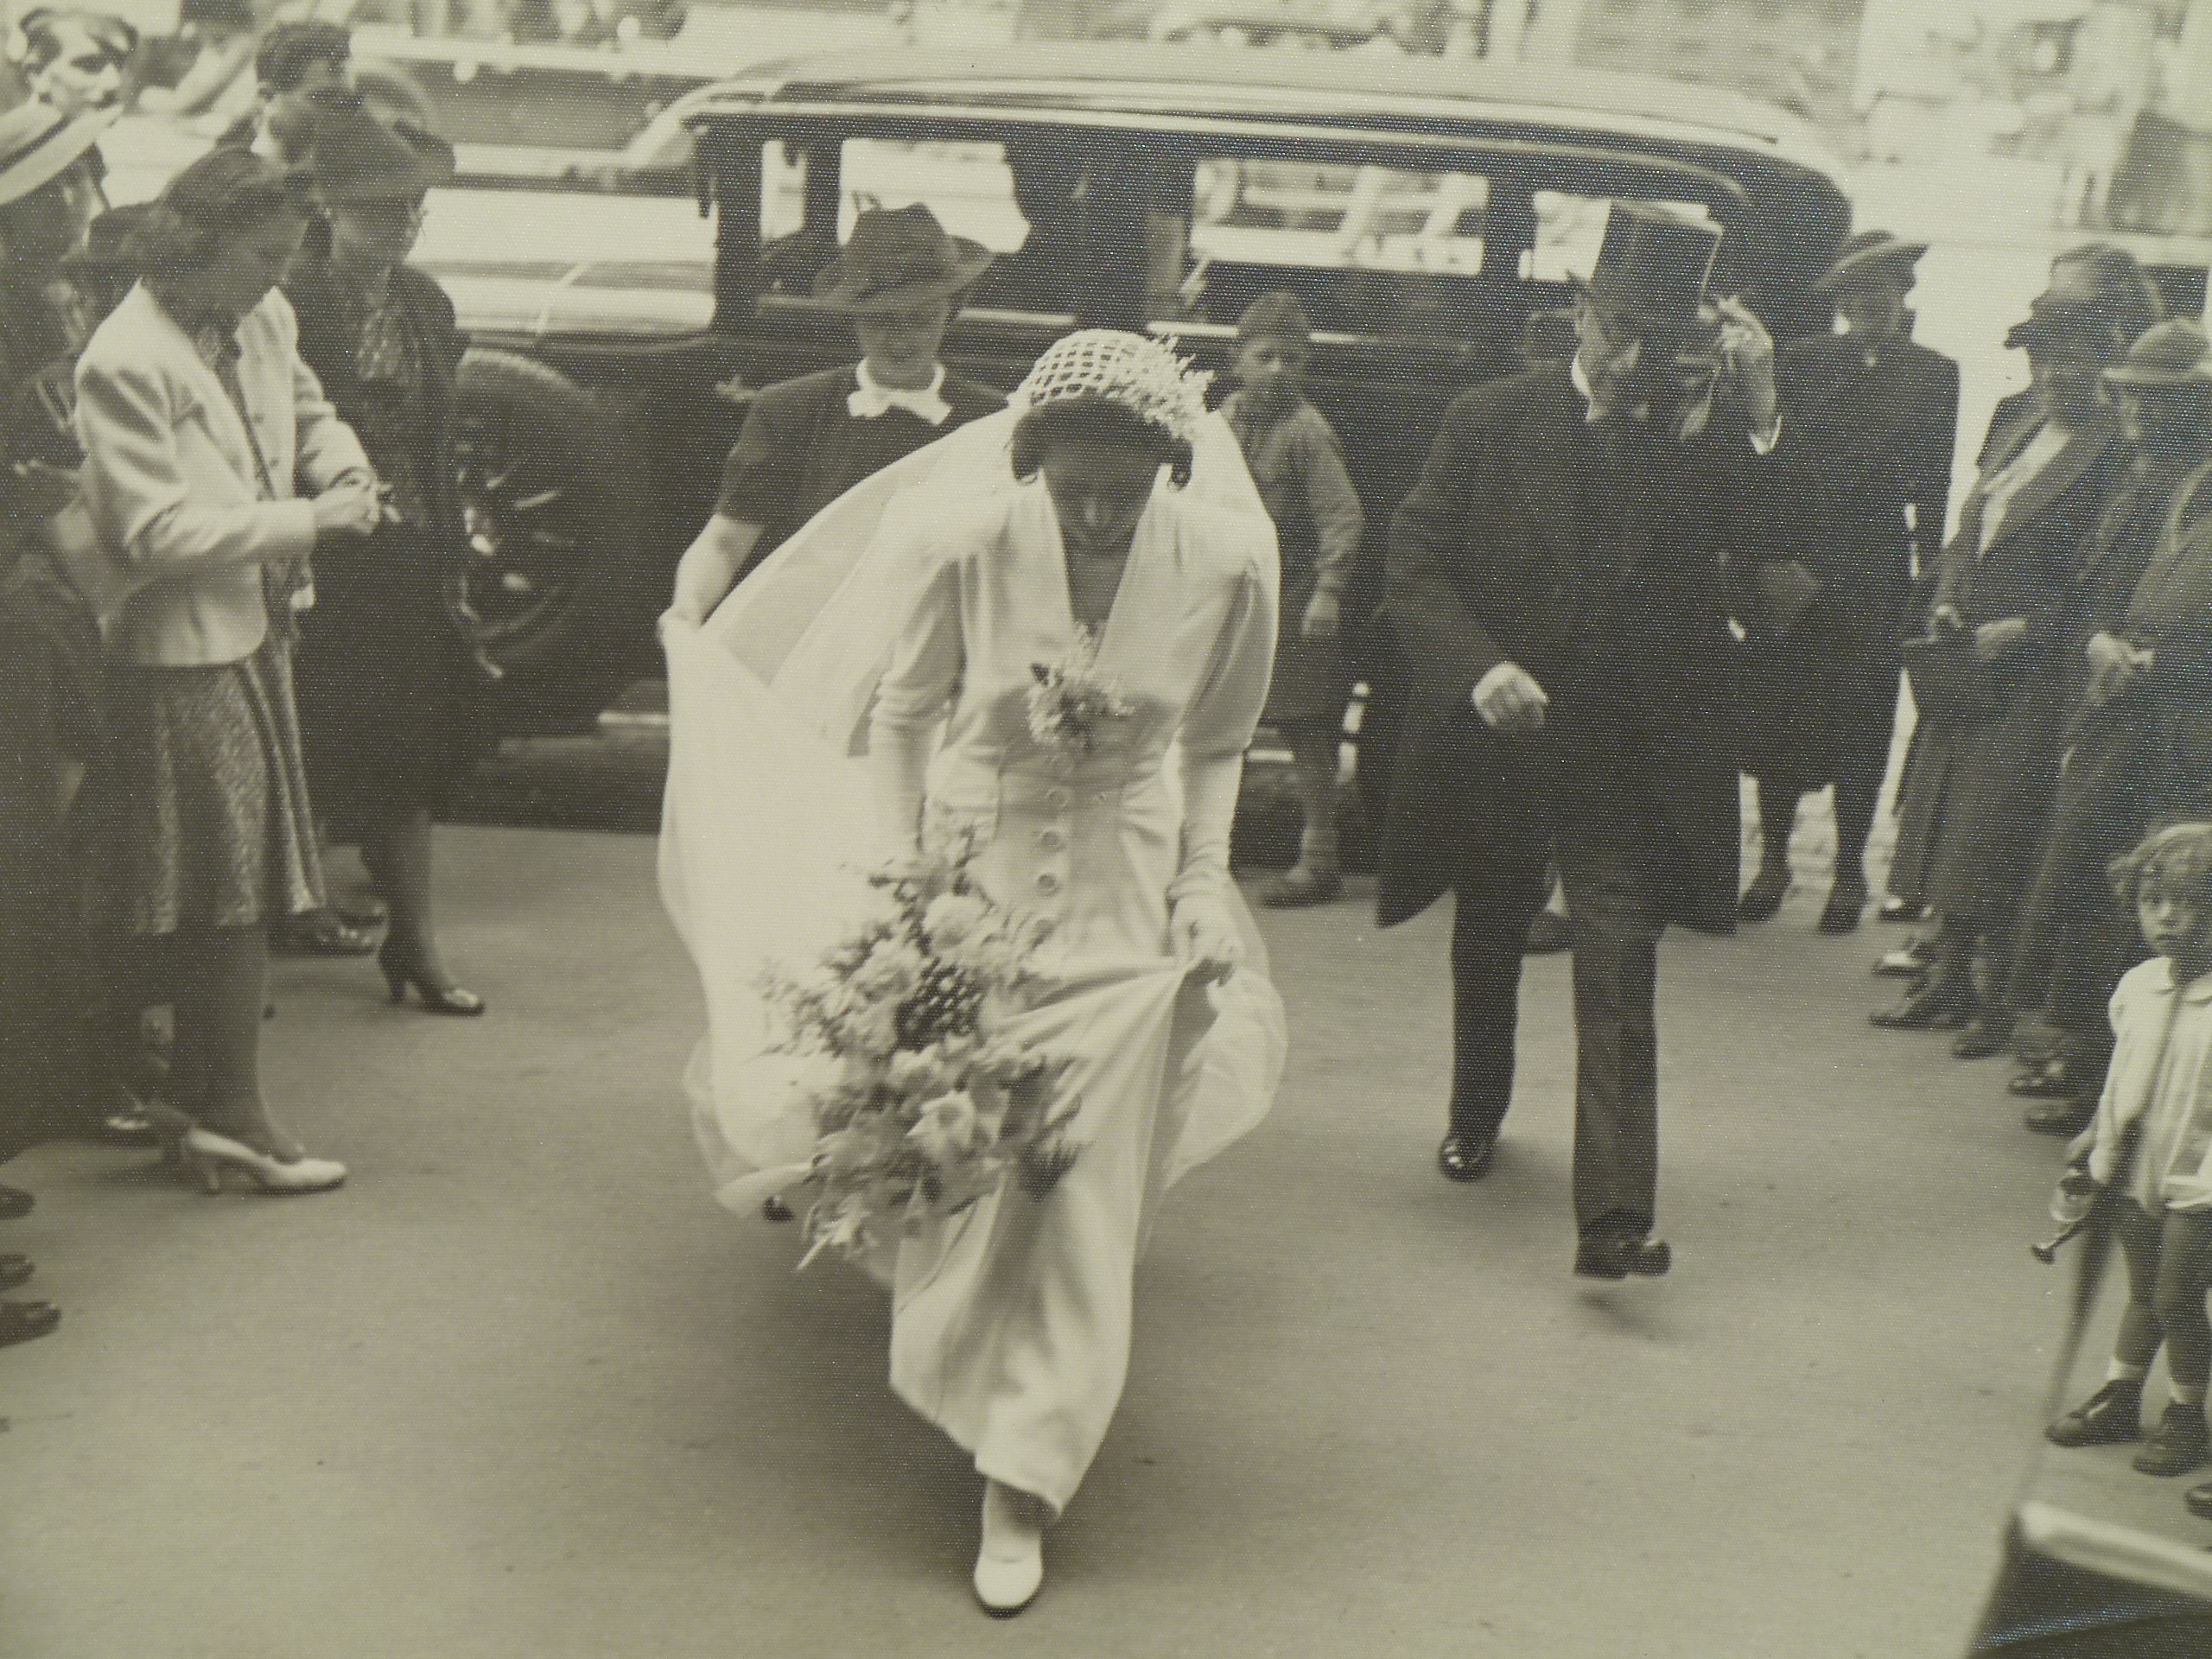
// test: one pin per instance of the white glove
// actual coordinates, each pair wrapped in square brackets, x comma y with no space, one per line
[899,765]
[1204,937]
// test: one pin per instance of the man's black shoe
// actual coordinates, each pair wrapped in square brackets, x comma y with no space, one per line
[1467,1157]
[1846,905]
[1763,897]
[1986,1034]
[2199,1499]
[1903,910]
[14,1271]
[1934,1005]
[14,1203]
[1910,960]
[1616,1256]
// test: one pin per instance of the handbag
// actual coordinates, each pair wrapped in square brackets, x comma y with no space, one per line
[1950,684]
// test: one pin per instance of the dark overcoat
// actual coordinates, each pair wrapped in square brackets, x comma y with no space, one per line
[392,700]
[1979,794]
[2146,577]
[326,347]
[1869,466]
[1483,569]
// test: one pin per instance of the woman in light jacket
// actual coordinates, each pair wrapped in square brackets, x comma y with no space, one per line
[199,424]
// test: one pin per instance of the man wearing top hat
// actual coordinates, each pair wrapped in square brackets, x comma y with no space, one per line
[808,441]
[1873,419]
[1555,582]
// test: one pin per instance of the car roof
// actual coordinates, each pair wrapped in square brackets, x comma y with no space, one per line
[1361,91]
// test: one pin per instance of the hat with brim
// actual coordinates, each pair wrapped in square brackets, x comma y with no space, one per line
[2172,356]
[38,144]
[1652,268]
[353,158]
[2049,321]
[1871,255]
[899,256]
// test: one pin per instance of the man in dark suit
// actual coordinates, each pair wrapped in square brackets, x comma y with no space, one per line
[1873,419]
[1555,582]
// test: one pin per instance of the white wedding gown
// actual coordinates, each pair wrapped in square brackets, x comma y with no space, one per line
[918,603]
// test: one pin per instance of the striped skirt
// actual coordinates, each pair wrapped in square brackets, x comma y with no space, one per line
[213,823]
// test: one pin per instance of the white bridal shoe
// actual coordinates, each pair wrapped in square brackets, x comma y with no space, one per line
[1010,1566]
[208,1155]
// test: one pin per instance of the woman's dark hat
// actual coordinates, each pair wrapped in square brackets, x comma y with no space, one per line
[2172,355]
[1868,255]
[897,256]
[1275,316]
[354,157]
[1652,267]
[38,144]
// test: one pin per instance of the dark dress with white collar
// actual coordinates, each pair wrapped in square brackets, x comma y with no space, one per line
[802,448]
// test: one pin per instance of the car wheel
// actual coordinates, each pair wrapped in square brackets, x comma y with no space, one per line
[548,489]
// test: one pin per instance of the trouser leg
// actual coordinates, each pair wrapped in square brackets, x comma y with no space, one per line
[1776,799]
[1612,915]
[1490,927]
[1313,761]
[1858,793]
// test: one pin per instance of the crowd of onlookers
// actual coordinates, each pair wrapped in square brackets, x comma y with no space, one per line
[2055,811]
[229,611]
[176,754]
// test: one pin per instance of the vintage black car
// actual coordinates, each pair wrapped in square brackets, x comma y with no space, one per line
[1430,215]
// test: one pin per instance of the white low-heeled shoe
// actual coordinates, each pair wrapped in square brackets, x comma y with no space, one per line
[1010,1565]
[208,1154]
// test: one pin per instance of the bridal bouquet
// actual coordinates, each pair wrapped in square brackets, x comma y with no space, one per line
[921,1102]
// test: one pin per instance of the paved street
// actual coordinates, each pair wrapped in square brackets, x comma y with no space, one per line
[522,1391]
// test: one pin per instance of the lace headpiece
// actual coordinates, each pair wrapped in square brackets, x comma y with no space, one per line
[1142,375]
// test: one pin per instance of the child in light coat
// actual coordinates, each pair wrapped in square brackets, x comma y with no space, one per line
[2150,1151]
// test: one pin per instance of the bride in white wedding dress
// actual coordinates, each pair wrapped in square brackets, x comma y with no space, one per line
[866,695]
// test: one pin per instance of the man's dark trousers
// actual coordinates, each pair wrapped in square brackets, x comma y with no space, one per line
[1604,838]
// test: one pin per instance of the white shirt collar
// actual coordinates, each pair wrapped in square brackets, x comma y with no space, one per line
[870,399]
[1590,411]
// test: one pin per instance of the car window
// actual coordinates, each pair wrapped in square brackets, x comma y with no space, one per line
[1371,249]
[1338,218]
[968,186]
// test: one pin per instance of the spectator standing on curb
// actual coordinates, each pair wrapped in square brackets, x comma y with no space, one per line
[1297,460]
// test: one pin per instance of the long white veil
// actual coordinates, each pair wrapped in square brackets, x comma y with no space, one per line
[767,827]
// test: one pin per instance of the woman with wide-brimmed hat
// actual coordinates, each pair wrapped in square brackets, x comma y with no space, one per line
[202,427]
[808,441]
[389,690]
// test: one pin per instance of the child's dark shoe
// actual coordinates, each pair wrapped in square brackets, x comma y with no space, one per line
[2112,1414]
[2181,1443]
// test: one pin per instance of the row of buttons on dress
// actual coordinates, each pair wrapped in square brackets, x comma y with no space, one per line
[1053,839]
